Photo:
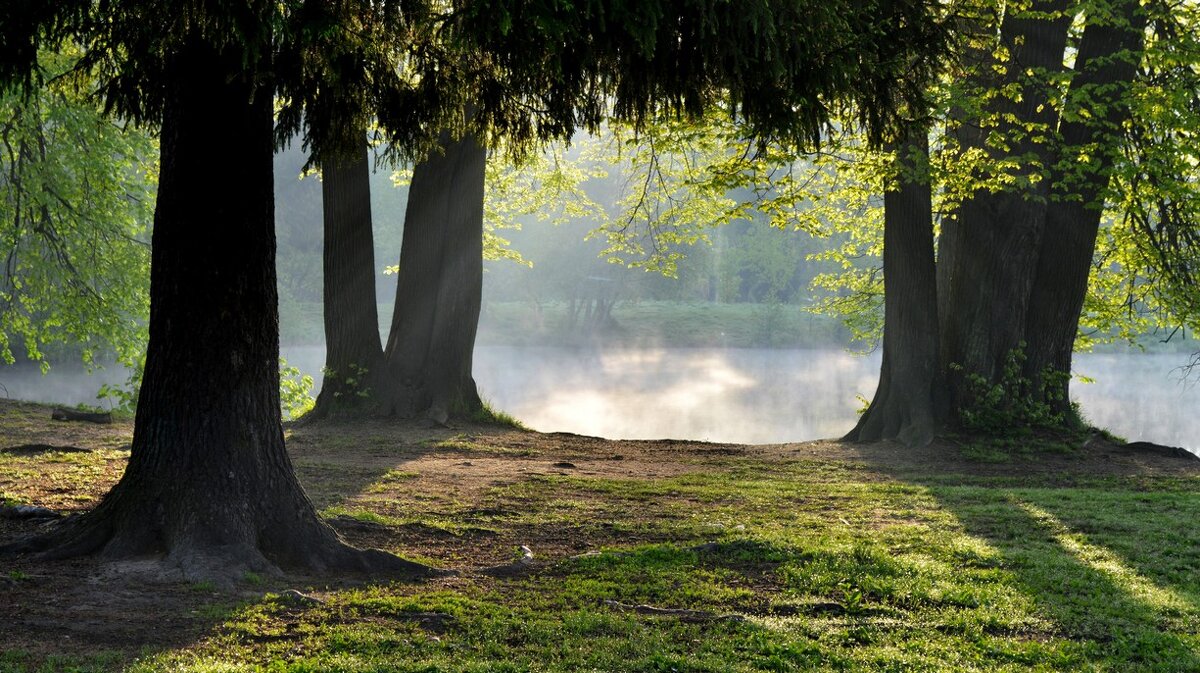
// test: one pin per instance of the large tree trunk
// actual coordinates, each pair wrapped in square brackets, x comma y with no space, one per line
[353,355]
[906,405]
[209,487]
[988,249]
[439,288]
[1108,55]
[1013,265]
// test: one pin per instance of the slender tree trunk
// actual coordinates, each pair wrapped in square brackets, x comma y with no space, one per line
[209,487]
[1108,55]
[439,289]
[353,355]
[906,404]
[989,248]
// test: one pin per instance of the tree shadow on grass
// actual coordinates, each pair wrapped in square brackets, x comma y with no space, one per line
[85,613]
[1150,533]
[1118,610]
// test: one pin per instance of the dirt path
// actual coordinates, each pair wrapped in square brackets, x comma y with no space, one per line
[430,493]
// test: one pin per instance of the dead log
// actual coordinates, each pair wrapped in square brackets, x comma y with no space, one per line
[61,414]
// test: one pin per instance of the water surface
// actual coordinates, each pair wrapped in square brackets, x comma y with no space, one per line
[721,395]
[766,396]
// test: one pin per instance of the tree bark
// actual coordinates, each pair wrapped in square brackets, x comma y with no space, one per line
[353,354]
[1108,55]
[1013,265]
[440,284]
[989,249]
[209,488]
[906,403]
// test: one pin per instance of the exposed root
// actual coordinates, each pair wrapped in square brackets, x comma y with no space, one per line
[1161,450]
[376,562]
[27,512]
[294,597]
[43,448]
[314,550]
[68,537]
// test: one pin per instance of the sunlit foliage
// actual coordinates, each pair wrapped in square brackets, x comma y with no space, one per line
[691,176]
[76,200]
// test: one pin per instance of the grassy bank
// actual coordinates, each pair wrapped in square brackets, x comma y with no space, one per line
[645,323]
[653,556]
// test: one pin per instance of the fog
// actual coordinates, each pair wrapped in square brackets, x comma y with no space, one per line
[649,367]
[738,395]
[65,384]
[775,395]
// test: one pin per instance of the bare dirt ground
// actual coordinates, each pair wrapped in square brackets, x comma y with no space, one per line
[406,477]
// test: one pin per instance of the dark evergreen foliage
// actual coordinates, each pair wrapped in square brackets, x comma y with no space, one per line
[209,487]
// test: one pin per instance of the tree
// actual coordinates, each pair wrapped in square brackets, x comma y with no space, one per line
[1020,182]
[209,485]
[74,217]
[427,366]
[352,349]
[1015,255]
[1109,52]
[906,404]
[439,286]
[1147,262]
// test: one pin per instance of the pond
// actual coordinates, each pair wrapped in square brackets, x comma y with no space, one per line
[767,396]
[723,395]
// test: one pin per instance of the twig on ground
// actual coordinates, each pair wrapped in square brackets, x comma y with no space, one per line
[680,613]
[523,564]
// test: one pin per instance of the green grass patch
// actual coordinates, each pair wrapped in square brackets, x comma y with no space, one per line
[741,564]
[468,444]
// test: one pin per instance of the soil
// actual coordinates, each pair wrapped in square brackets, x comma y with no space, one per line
[86,606]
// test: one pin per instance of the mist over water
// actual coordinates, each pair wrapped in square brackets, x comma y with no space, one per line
[1141,397]
[760,396]
[719,395]
[68,385]
[740,395]
[806,387]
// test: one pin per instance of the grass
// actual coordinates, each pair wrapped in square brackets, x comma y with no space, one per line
[489,414]
[1023,444]
[784,564]
[828,574]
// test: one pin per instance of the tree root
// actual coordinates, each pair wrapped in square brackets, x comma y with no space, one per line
[1160,450]
[315,550]
[27,512]
[296,598]
[43,448]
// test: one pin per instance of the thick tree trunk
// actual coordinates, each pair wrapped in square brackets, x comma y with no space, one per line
[1013,265]
[209,487]
[353,354]
[439,288]
[1108,53]
[906,405]
[988,249]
